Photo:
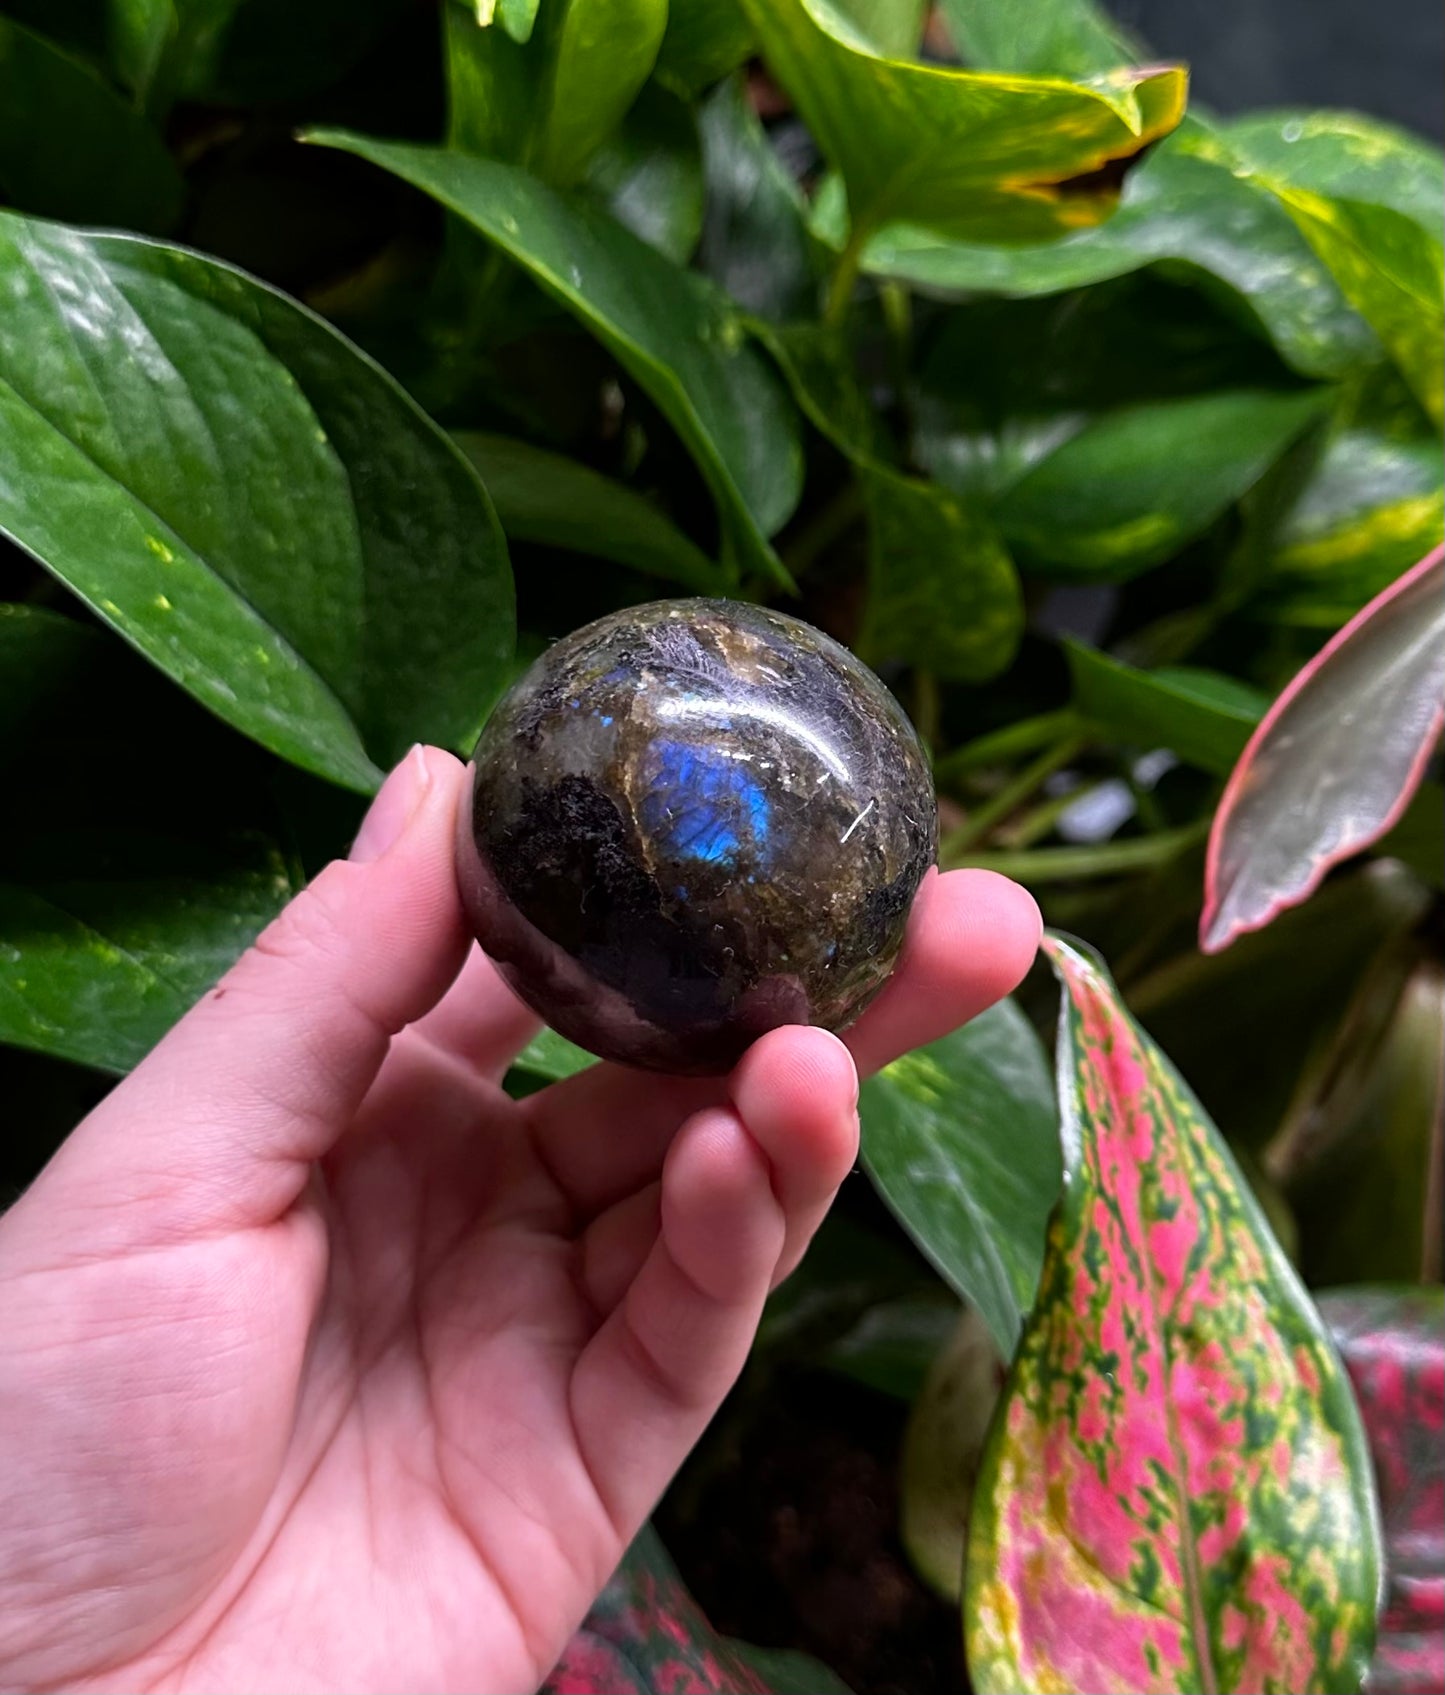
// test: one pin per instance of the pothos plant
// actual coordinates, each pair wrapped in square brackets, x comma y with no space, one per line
[350,352]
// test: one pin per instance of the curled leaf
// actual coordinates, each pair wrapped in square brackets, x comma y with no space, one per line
[1176,1493]
[979,155]
[1335,760]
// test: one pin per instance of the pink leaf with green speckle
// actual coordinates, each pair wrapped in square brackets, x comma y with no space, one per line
[646,1635]
[1393,1342]
[1176,1492]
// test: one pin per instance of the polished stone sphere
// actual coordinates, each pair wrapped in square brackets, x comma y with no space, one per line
[690,822]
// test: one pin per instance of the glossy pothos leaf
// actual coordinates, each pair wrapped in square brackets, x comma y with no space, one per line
[1203,716]
[113,167]
[961,1140]
[645,1635]
[247,499]
[546,497]
[1373,504]
[677,335]
[1335,760]
[1176,1494]
[549,97]
[1186,206]
[1392,271]
[943,591]
[988,157]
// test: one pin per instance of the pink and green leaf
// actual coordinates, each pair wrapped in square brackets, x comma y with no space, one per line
[1334,762]
[1176,1492]
[645,1635]
[1392,1339]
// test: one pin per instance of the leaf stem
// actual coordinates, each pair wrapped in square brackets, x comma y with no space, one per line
[1007,743]
[1040,820]
[1104,859]
[1012,795]
[843,281]
[927,707]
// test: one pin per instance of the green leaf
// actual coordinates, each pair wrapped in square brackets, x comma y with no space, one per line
[943,593]
[1392,271]
[139,32]
[1067,38]
[893,27]
[1373,503]
[848,1272]
[123,897]
[548,99]
[1336,760]
[755,241]
[704,40]
[1176,1494]
[960,1139]
[45,660]
[817,362]
[942,1447]
[517,17]
[553,1057]
[676,336]
[113,934]
[266,515]
[237,51]
[274,50]
[982,156]
[891,1345]
[1182,208]
[645,1635]
[1001,386]
[651,176]
[1343,155]
[1131,488]
[104,165]
[545,497]
[1203,716]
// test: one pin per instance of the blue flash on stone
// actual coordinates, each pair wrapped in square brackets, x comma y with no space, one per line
[704,806]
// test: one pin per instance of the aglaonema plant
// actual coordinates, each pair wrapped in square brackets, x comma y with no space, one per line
[350,353]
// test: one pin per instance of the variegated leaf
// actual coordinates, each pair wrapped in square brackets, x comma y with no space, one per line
[1392,1338]
[1176,1494]
[646,1635]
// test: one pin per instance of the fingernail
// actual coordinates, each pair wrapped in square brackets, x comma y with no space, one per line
[397,803]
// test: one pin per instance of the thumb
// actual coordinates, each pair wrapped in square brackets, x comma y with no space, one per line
[217,1127]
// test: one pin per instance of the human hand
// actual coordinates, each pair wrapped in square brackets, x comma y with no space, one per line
[325,1365]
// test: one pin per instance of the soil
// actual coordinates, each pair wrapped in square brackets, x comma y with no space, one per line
[785,1528]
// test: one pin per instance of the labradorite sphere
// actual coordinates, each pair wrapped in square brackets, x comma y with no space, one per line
[690,822]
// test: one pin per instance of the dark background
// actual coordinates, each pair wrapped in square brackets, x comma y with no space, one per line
[1385,57]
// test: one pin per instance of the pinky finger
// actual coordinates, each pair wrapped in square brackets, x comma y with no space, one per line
[651,1378]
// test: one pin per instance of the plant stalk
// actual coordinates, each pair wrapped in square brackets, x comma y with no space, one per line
[1007,743]
[1012,795]
[843,281]
[1065,864]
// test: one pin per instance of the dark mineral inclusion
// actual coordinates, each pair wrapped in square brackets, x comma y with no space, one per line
[691,822]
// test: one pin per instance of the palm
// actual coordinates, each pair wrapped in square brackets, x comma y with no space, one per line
[384,1481]
[393,1421]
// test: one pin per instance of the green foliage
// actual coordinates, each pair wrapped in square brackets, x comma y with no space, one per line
[1086,421]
